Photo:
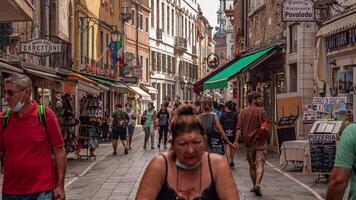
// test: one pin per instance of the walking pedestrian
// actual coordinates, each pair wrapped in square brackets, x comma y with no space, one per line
[119,128]
[163,122]
[32,145]
[187,171]
[213,129]
[249,121]
[148,126]
[344,171]
[132,122]
[229,122]
[216,109]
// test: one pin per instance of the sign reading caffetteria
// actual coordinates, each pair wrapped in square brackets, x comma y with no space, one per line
[298,10]
[40,47]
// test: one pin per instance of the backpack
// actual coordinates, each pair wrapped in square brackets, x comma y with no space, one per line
[121,119]
[41,116]
[228,121]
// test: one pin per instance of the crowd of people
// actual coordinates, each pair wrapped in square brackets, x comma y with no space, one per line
[32,148]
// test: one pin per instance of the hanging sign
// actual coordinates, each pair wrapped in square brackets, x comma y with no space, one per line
[213,61]
[41,47]
[298,11]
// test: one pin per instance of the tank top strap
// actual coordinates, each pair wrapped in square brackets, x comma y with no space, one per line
[211,170]
[166,163]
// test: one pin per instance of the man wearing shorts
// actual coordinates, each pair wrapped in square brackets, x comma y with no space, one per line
[248,123]
[119,126]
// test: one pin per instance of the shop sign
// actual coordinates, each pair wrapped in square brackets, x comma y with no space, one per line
[341,39]
[298,11]
[40,47]
[132,80]
[213,61]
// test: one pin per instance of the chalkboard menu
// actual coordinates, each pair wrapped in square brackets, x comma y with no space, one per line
[322,153]
[285,134]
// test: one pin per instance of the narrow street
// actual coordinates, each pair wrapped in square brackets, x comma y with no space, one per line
[118,177]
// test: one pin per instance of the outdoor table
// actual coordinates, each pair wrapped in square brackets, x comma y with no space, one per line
[297,152]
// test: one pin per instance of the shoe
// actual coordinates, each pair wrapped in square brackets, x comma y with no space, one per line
[258,191]
[130,147]
[252,189]
[126,151]
[152,148]
[144,147]
[232,165]
[114,153]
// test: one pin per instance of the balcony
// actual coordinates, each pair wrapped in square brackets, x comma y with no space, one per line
[61,61]
[180,44]
[159,34]
[12,11]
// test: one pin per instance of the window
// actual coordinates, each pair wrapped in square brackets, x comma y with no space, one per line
[147,67]
[293,77]
[153,58]
[164,63]
[101,45]
[92,42]
[173,90]
[157,14]
[255,4]
[164,91]
[146,24]
[159,62]
[81,40]
[141,61]
[185,28]
[169,64]
[107,44]
[189,32]
[168,20]
[169,91]
[172,22]
[163,17]
[293,39]
[133,19]
[140,22]
[173,65]
[152,13]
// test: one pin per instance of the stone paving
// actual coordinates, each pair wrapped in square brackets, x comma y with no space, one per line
[118,177]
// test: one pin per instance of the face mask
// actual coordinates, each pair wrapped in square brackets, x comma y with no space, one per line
[187,167]
[19,105]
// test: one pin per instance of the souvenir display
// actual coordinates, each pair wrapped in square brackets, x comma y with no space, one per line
[91,115]
[67,121]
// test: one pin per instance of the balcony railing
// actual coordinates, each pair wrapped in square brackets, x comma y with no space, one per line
[159,34]
[180,44]
[62,60]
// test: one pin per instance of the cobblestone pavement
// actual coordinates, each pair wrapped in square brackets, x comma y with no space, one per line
[118,177]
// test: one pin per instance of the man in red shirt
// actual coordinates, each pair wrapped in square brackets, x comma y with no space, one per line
[35,160]
[248,123]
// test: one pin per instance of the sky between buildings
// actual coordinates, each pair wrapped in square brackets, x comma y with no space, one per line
[209,8]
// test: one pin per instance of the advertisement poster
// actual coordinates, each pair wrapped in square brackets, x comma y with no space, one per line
[330,107]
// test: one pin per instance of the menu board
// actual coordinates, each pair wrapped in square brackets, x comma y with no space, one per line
[322,153]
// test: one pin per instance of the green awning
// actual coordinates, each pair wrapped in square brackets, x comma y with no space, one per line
[220,80]
[107,82]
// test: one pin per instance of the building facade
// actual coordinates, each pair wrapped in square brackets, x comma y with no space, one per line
[173,49]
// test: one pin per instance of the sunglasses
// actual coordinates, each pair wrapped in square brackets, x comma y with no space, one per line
[11,93]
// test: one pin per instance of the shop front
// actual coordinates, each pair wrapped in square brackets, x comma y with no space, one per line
[336,62]
[138,98]
[260,71]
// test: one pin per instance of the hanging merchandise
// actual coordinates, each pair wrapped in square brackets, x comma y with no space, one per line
[67,121]
[91,114]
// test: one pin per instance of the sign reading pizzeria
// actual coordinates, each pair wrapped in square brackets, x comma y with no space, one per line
[298,11]
[40,47]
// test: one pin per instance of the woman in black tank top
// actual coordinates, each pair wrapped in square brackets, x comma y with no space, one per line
[187,171]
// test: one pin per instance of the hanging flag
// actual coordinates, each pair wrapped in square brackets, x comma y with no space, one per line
[117,50]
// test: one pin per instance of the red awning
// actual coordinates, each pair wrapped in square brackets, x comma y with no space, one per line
[199,85]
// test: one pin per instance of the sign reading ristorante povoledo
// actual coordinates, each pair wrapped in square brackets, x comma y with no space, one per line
[298,10]
[40,47]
